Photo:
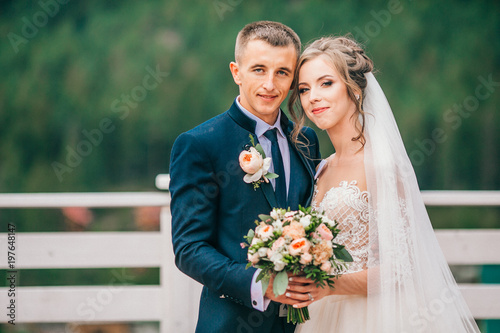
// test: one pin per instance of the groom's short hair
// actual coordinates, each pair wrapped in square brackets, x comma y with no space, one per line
[274,33]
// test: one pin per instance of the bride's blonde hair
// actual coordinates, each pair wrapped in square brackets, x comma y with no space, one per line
[350,61]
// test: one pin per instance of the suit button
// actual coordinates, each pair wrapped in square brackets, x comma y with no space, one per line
[254,302]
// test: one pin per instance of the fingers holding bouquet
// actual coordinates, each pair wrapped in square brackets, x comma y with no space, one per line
[297,245]
[293,293]
[304,291]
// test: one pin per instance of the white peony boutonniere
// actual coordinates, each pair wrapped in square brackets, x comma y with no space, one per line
[255,163]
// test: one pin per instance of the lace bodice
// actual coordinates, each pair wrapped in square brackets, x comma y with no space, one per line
[348,205]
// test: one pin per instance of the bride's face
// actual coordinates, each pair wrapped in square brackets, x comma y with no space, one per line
[323,95]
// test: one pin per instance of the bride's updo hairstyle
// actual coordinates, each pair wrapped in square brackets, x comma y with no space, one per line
[350,61]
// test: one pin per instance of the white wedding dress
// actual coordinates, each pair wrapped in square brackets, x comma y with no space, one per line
[387,231]
[347,205]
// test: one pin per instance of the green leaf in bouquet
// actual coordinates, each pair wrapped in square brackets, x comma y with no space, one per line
[343,254]
[271,175]
[265,284]
[251,233]
[265,217]
[261,275]
[280,283]
[249,237]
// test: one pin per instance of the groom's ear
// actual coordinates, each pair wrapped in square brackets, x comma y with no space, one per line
[235,71]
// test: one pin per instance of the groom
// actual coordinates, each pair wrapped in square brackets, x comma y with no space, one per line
[213,208]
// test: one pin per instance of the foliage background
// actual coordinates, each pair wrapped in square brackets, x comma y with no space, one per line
[64,80]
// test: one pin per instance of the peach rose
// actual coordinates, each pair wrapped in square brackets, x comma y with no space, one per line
[253,258]
[326,266]
[264,231]
[305,258]
[299,246]
[324,232]
[251,160]
[322,252]
[254,165]
[295,230]
[276,245]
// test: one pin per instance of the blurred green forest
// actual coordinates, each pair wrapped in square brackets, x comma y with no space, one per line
[81,111]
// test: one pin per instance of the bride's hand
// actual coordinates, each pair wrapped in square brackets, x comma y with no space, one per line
[304,291]
[348,284]
[293,293]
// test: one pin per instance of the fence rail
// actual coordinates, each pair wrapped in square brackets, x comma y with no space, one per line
[174,303]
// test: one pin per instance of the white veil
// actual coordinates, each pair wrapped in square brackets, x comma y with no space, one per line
[410,286]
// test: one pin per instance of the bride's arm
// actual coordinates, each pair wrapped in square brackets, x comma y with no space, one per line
[349,284]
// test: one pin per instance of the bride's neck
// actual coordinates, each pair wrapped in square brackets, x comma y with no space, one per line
[341,137]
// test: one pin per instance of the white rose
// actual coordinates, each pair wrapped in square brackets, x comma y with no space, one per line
[279,265]
[277,260]
[328,221]
[256,241]
[278,226]
[305,221]
[263,251]
[251,161]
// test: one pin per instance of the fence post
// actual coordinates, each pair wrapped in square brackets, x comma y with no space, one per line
[491,274]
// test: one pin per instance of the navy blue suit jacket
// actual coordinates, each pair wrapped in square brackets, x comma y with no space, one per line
[213,208]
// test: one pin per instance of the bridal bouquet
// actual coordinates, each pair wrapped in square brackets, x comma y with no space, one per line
[300,242]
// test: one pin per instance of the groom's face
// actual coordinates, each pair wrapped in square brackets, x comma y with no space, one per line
[264,74]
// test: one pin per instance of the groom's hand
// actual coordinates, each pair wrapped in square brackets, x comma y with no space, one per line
[293,295]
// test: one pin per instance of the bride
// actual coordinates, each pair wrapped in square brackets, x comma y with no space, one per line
[399,280]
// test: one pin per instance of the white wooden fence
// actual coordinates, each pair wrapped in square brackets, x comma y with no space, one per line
[174,303]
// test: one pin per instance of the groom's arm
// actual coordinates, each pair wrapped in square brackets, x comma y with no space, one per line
[194,207]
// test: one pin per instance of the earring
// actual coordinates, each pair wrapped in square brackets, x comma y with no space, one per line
[357,96]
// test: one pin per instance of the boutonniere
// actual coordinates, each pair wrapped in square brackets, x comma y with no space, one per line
[255,163]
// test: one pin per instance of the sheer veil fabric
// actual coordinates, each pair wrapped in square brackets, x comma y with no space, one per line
[410,286]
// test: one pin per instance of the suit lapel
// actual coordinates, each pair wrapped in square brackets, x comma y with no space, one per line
[249,125]
[268,190]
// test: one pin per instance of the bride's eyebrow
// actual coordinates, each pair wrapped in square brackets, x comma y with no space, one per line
[320,78]
[325,76]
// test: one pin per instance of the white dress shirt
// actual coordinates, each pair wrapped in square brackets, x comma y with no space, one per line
[259,302]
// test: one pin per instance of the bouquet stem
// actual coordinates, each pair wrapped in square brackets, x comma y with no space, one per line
[297,316]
